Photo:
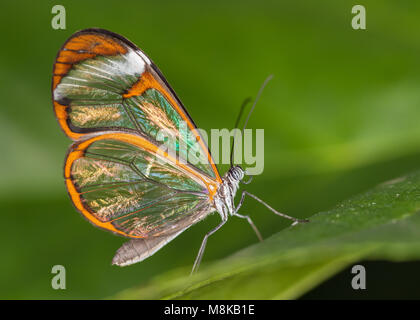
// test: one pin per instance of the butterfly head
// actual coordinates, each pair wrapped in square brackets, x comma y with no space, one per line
[236,173]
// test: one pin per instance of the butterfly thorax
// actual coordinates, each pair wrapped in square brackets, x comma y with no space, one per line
[223,200]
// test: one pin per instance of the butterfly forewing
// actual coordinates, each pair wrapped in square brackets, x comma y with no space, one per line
[103,82]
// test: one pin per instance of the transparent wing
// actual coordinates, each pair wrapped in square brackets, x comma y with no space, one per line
[103,82]
[126,184]
[137,250]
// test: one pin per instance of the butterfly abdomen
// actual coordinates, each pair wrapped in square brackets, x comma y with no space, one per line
[223,200]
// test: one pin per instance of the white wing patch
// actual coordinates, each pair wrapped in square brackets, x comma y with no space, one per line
[133,64]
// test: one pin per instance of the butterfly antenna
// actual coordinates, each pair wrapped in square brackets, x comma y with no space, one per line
[238,118]
[246,101]
[256,100]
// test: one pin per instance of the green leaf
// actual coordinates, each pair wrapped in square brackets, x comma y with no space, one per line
[383,223]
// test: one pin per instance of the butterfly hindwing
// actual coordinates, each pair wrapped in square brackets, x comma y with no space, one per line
[137,250]
[127,185]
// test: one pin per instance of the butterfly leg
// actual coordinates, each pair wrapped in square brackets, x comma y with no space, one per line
[203,246]
[257,232]
[251,223]
[241,201]
[295,220]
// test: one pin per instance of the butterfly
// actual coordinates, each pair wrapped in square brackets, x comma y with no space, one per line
[114,103]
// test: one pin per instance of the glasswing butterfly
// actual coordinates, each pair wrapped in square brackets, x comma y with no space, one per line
[112,100]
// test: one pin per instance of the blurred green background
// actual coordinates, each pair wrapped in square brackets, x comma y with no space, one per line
[341,115]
